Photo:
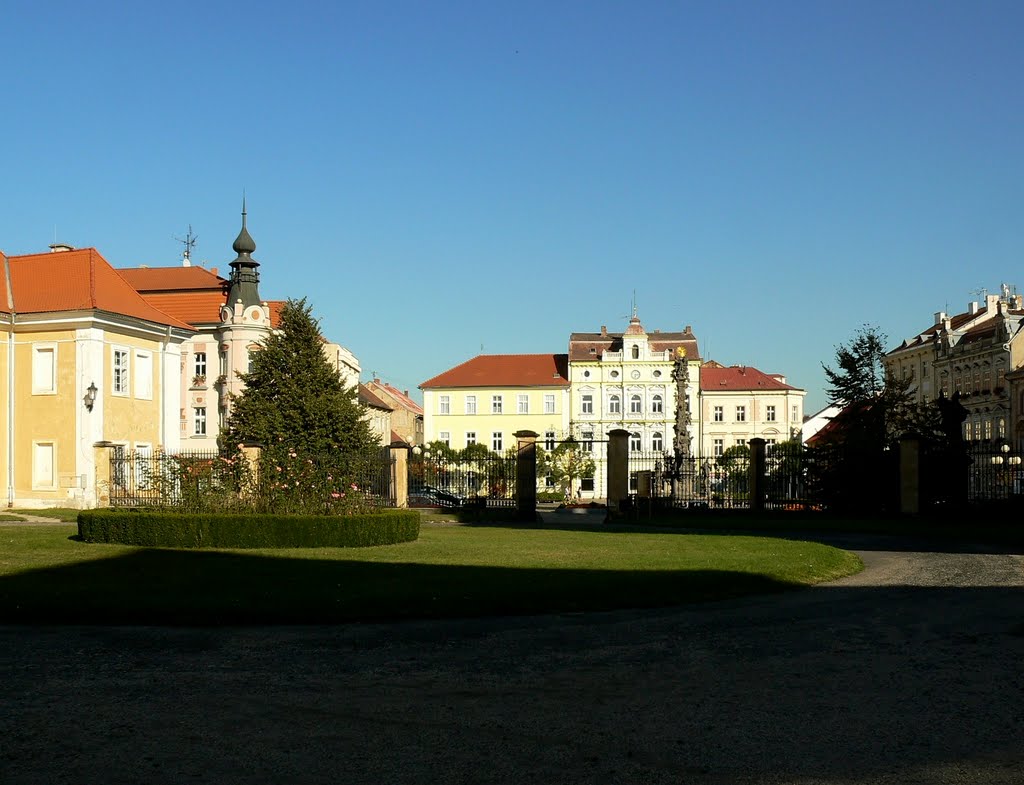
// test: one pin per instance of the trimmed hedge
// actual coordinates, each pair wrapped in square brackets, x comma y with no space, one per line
[226,530]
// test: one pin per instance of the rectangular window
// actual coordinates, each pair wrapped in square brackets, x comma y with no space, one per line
[120,385]
[588,441]
[522,404]
[44,369]
[470,438]
[719,414]
[199,421]
[446,437]
[496,402]
[549,440]
[587,484]
[200,364]
[44,473]
[741,414]
[444,404]
[795,413]
[470,404]
[496,442]
[549,404]
[587,403]
[769,442]
[719,445]
[143,375]
[769,413]
[741,442]
[143,464]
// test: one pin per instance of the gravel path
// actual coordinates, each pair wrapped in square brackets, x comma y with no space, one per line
[909,672]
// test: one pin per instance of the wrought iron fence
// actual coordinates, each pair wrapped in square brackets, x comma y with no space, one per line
[994,473]
[209,481]
[458,477]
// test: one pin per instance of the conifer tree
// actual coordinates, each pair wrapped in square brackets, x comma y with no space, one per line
[293,399]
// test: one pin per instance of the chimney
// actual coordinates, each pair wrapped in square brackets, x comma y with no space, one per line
[972,308]
[604,331]
[406,393]
[61,247]
[940,317]
[991,303]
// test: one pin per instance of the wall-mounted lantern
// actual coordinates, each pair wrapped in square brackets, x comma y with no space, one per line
[90,396]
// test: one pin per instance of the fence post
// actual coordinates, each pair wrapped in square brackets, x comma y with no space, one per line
[400,473]
[102,454]
[618,469]
[251,453]
[526,475]
[756,478]
[910,475]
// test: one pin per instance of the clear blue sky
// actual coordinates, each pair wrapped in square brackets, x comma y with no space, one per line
[437,177]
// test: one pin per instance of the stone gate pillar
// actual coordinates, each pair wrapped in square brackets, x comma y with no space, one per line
[526,475]
[400,473]
[756,480]
[618,469]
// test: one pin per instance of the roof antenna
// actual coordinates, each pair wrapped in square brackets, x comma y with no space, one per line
[189,241]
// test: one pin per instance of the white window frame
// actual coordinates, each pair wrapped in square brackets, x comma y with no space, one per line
[587,403]
[470,404]
[470,438]
[523,403]
[636,404]
[199,421]
[549,440]
[497,441]
[444,404]
[44,386]
[614,404]
[657,441]
[497,404]
[718,414]
[199,364]
[657,404]
[718,447]
[446,437]
[549,403]
[635,442]
[769,413]
[120,379]
[741,413]
[587,438]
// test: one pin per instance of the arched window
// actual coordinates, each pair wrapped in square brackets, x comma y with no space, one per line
[615,404]
[636,352]
[657,406]
[657,444]
[634,442]
[635,404]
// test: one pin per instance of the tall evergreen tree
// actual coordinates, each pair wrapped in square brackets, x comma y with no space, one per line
[293,399]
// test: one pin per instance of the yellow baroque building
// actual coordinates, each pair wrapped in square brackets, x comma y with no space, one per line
[84,361]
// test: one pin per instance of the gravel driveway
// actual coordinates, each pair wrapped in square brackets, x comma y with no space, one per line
[909,672]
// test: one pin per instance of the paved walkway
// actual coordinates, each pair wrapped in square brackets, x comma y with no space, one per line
[906,673]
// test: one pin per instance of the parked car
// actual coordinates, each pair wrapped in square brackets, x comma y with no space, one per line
[428,496]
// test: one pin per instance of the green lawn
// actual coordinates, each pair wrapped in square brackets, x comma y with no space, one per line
[66,514]
[46,576]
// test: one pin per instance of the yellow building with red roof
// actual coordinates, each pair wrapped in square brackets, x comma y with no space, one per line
[85,360]
[487,399]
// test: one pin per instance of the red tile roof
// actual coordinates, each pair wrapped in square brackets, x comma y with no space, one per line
[78,280]
[506,370]
[738,378]
[399,397]
[172,279]
[367,398]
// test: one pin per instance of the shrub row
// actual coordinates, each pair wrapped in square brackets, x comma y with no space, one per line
[160,528]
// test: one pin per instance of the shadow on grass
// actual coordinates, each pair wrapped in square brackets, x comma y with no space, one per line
[215,588]
[883,533]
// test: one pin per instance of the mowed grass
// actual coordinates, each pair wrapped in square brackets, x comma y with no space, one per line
[451,571]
